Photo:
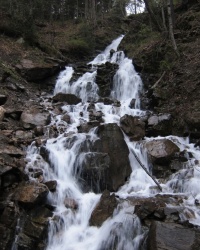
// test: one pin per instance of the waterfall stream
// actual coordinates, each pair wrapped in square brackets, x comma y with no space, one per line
[69,229]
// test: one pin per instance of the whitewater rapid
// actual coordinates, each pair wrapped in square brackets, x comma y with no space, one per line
[69,229]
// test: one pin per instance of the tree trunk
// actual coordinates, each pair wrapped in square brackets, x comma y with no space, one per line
[171,28]
[152,16]
[163,15]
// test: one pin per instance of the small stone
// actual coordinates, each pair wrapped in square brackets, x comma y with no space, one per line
[51,185]
[3,99]
[70,203]
[2,112]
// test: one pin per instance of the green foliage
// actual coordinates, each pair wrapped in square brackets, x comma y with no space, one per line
[10,71]
[144,32]
[86,34]
[165,65]
[78,47]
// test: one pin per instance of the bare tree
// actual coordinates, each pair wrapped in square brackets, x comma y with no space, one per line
[171,26]
[152,16]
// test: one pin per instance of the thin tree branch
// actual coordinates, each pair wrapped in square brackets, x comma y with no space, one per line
[147,171]
[159,80]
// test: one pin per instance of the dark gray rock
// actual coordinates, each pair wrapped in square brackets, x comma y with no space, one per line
[85,127]
[162,153]
[25,242]
[32,71]
[39,130]
[8,222]
[9,176]
[3,99]
[160,124]
[104,209]
[30,194]
[69,98]
[133,127]
[109,101]
[112,143]
[132,103]
[70,203]
[95,171]
[106,164]
[34,116]
[51,185]
[161,150]
[15,114]
[104,78]
[171,236]
[95,116]
[66,118]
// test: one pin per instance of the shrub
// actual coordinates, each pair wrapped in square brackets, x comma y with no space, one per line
[78,47]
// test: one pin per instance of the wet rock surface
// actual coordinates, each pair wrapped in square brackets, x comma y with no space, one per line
[33,229]
[106,165]
[104,209]
[134,127]
[30,194]
[162,153]
[68,98]
[112,143]
[104,79]
[95,171]
[161,149]
[172,236]
[159,125]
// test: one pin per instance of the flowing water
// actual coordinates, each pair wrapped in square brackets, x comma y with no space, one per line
[69,228]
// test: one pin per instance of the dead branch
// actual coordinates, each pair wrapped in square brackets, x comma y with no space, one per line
[159,80]
[147,171]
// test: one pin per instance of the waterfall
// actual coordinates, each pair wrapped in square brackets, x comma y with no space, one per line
[69,229]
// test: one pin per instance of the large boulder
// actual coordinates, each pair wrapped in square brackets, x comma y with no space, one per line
[161,152]
[133,127]
[69,98]
[9,176]
[193,120]
[168,208]
[33,231]
[111,141]
[104,209]
[32,71]
[30,194]
[106,160]
[159,125]
[8,223]
[24,242]
[171,236]
[104,78]
[34,116]
[95,169]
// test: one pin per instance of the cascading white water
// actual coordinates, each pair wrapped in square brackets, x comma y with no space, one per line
[69,229]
